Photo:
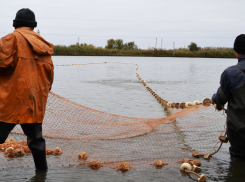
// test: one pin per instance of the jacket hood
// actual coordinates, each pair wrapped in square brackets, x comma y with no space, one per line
[39,45]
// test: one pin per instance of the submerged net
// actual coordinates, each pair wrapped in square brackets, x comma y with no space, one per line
[110,138]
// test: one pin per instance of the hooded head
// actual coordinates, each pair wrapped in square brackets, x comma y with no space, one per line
[24,18]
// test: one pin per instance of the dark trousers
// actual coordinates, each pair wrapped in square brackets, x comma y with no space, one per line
[236,154]
[35,141]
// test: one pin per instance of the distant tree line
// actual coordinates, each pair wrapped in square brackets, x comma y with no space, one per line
[118,48]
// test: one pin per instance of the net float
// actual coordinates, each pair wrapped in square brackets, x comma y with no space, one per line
[124,166]
[195,154]
[177,105]
[49,151]
[196,102]
[159,162]
[182,105]
[83,156]
[173,105]
[196,162]
[19,152]
[57,151]
[11,139]
[169,104]
[95,165]
[223,139]
[196,169]
[10,152]
[185,167]
[207,156]
[206,102]
[188,104]
[186,160]
[202,178]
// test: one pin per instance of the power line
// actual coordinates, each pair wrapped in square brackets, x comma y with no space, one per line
[157,21]
[133,36]
[77,35]
[131,29]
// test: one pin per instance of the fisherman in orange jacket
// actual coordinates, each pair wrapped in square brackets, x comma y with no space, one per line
[26,77]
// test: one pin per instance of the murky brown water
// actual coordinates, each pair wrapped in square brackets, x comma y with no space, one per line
[114,88]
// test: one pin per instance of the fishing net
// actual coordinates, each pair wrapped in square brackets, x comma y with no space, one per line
[111,139]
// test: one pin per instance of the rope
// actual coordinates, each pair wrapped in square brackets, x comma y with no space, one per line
[192,173]
[163,102]
[166,104]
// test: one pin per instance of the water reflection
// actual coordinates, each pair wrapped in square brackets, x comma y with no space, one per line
[40,176]
[235,171]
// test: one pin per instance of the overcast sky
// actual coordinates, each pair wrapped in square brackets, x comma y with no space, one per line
[209,23]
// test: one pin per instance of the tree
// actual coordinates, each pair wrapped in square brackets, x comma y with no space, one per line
[119,44]
[111,44]
[193,47]
[130,45]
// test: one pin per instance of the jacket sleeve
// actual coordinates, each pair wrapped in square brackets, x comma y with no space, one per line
[223,93]
[7,50]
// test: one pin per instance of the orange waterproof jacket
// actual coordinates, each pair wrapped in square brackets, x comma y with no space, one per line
[26,76]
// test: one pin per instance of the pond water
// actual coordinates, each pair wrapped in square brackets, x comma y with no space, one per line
[114,88]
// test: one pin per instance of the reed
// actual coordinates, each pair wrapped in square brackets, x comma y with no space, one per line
[90,50]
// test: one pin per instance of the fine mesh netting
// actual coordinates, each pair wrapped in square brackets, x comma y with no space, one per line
[110,138]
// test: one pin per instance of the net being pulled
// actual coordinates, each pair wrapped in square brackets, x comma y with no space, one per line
[110,138]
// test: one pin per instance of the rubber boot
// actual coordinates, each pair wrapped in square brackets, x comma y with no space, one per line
[36,144]
[40,161]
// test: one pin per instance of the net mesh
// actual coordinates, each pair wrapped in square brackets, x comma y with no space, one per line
[110,138]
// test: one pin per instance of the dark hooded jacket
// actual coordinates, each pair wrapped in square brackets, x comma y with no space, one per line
[26,76]
[232,90]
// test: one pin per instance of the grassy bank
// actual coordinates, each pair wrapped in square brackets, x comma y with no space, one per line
[90,50]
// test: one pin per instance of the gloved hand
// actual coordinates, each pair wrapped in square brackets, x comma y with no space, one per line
[219,107]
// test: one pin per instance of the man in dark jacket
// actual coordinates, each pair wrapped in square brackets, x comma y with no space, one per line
[232,90]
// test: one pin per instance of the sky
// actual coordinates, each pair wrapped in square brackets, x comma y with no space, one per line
[149,23]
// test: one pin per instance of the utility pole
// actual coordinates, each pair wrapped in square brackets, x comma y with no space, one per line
[156,43]
[78,40]
[161,44]
[38,31]
[173,49]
